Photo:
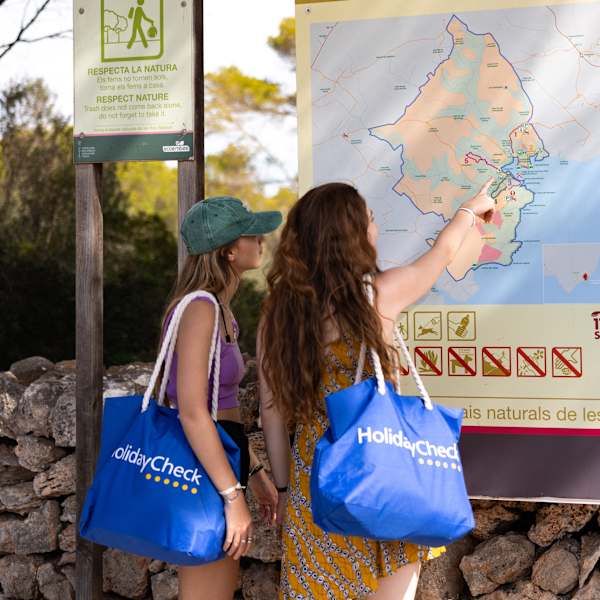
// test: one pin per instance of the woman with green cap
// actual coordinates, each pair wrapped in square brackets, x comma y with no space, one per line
[224,239]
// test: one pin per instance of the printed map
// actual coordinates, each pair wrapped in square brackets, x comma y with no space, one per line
[426,109]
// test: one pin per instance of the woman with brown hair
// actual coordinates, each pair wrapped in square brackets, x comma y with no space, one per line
[314,320]
[224,239]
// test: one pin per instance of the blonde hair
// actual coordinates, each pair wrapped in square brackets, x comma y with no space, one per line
[211,272]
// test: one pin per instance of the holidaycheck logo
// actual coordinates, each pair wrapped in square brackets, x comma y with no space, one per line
[157,464]
[422,450]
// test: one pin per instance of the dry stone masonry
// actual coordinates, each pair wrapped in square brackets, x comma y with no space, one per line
[518,550]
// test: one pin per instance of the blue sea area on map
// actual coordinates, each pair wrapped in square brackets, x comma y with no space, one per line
[565,209]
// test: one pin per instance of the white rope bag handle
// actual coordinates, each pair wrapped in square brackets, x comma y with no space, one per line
[167,351]
[377,361]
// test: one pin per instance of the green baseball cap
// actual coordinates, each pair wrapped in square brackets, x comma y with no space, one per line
[220,220]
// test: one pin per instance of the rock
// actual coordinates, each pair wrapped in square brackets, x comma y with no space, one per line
[590,553]
[8,529]
[11,392]
[29,369]
[18,576]
[556,571]
[66,367]
[37,453]
[441,578]
[492,521]
[58,480]
[69,510]
[260,582]
[125,574]
[69,572]
[267,545]
[502,559]
[62,420]
[522,590]
[53,585]
[165,586]
[156,566]
[10,470]
[67,539]
[250,373]
[554,520]
[249,406]
[591,591]
[38,533]
[127,380]
[37,404]
[18,498]
[67,558]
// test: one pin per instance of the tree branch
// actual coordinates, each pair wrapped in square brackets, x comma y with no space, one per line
[25,25]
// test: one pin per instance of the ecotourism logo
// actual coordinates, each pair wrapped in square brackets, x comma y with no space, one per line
[131,30]
[180,146]
[158,464]
[422,450]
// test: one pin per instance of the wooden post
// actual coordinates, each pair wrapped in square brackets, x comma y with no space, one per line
[190,173]
[89,349]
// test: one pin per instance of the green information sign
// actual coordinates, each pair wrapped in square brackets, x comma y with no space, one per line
[133,80]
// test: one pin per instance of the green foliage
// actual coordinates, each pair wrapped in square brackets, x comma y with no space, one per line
[37,255]
[151,189]
[246,307]
[284,43]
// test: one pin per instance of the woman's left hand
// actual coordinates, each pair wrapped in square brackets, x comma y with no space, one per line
[265,493]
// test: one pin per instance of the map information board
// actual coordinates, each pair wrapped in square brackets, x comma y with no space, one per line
[417,104]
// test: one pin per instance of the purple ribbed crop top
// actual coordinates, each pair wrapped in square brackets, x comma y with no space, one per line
[232,372]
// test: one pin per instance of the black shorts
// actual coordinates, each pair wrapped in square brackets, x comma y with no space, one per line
[236,433]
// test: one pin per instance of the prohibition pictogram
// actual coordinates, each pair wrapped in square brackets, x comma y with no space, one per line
[462,361]
[567,362]
[496,361]
[429,360]
[531,361]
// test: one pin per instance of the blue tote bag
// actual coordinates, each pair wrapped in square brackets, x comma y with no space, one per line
[388,467]
[151,496]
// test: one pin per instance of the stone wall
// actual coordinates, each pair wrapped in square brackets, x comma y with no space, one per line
[519,550]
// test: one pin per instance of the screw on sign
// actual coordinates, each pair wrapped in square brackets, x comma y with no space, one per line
[531,361]
[496,361]
[429,360]
[567,362]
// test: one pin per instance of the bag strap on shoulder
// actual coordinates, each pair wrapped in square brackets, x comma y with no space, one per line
[167,351]
[399,340]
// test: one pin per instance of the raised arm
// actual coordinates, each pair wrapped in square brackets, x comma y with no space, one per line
[401,286]
[193,347]
[276,434]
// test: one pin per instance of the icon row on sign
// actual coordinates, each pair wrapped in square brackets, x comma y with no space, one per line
[498,361]
[430,326]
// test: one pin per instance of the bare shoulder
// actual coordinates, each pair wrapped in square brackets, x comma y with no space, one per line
[198,317]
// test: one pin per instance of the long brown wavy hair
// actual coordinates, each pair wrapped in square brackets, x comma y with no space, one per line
[317,272]
[211,272]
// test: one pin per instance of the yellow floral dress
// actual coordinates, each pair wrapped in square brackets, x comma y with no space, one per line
[315,564]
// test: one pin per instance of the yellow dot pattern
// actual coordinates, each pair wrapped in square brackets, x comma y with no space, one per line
[176,484]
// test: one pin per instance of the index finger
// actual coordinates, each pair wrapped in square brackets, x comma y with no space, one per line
[486,185]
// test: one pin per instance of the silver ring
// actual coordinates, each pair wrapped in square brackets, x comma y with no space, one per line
[243,541]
